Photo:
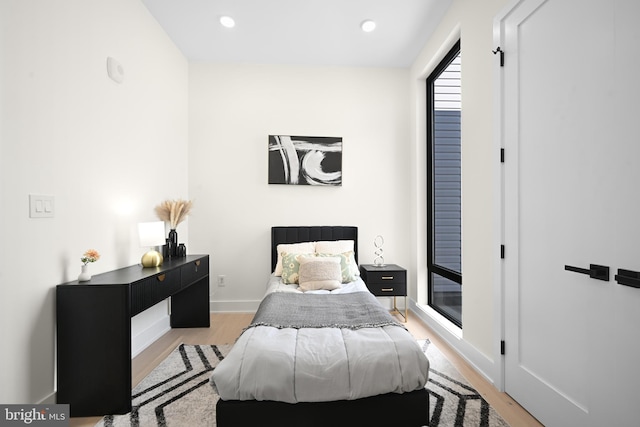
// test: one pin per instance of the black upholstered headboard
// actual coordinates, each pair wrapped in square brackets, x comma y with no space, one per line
[298,234]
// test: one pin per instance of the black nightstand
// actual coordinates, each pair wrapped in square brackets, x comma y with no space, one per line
[387,281]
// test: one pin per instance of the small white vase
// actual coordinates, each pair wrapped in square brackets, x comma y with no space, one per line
[84,275]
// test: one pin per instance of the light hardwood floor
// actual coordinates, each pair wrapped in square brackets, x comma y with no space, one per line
[226,327]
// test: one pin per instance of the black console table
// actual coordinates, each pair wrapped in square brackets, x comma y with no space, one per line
[94,327]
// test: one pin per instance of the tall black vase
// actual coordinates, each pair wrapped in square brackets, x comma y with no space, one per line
[173,243]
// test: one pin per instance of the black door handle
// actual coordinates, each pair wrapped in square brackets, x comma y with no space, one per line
[628,278]
[599,272]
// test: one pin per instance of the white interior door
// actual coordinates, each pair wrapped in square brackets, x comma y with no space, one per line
[570,121]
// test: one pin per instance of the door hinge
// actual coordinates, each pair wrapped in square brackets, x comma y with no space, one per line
[502,155]
[501,52]
[502,251]
[502,346]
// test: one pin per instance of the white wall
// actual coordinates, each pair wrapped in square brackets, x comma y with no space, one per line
[233,109]
[473,23]
[107,152]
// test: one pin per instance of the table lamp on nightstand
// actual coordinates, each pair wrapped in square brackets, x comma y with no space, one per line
[151,235]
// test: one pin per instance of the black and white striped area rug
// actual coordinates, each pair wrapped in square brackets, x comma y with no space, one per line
[452,401]
[177,393]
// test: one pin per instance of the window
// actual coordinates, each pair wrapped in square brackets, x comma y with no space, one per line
[444,236]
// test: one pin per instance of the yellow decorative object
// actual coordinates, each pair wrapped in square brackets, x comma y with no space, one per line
[151,235]
[152,259]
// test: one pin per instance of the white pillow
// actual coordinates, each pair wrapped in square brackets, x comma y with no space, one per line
[334,246]
[319,273]
[292,248]
[350,270]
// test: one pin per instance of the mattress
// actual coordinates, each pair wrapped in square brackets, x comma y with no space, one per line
[295,363]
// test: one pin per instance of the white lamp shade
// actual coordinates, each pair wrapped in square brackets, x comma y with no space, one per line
[151,233]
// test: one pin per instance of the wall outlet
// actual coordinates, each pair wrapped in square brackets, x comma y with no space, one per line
[221,280]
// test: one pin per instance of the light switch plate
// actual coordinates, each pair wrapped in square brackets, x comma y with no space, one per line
[41,206]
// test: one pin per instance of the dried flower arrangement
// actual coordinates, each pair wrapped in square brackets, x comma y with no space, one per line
[90,255]
[173,211]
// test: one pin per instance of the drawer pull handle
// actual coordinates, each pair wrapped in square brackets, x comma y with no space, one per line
[198,263]
[387,277]
[387,289]
[161,277]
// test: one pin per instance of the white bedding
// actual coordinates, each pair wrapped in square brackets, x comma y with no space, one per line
[275,285]
[320,364]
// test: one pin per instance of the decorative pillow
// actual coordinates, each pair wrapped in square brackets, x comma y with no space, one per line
[334,246]
[319,273]
[292,248]
[291,266]
[349,268]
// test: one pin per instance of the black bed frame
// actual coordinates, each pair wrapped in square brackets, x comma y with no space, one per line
[407,409]
[310,234]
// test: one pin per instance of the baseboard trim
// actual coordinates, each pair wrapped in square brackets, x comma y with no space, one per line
[149,335]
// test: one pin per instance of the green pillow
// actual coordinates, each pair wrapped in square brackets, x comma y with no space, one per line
[291,266]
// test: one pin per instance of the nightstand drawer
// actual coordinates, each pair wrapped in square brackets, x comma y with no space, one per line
[387,289]
[386,277]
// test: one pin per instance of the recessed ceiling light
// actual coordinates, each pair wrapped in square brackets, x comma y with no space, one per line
[368,26]
[227,21]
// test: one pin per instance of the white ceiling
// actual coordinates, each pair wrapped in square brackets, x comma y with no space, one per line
[308,32]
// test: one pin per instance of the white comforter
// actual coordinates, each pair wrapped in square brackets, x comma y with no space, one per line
[320,364]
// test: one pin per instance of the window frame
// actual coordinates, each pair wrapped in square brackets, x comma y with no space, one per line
[432,266]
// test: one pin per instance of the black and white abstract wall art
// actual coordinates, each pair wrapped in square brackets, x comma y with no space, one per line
[305,160]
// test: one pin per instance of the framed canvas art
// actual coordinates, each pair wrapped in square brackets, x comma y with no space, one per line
[305,160]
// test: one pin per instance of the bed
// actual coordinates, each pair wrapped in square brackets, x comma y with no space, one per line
[330,355]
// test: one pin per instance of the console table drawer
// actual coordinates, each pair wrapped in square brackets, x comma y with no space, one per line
[194,271]
[152,290]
